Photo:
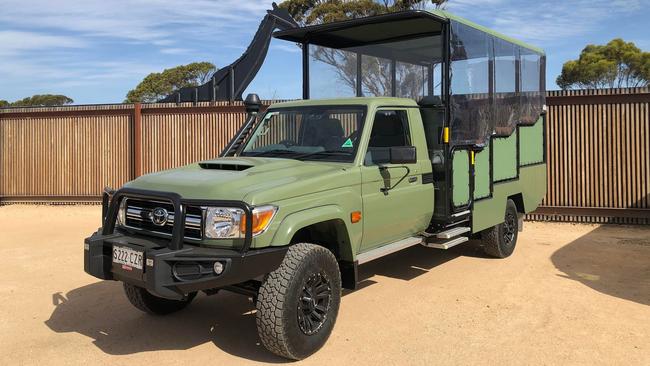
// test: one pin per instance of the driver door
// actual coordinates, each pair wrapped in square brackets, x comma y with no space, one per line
[400,212]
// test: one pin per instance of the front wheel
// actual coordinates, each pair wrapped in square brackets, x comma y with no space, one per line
[298,303]
[500,241]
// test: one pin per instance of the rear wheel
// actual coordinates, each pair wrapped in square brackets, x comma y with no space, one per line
[500,240]
[298,303]
[144,301]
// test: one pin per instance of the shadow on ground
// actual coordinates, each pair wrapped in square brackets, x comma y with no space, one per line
[416,261]
[100,311]
[611,259]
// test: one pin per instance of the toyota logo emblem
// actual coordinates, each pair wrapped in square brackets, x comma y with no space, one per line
[159,216]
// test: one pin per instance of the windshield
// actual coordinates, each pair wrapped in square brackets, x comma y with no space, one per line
[329,133]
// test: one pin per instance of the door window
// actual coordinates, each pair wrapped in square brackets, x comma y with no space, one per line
[390,128]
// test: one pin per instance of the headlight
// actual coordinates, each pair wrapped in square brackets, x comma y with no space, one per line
[223,222]
[230,223]
[121,213]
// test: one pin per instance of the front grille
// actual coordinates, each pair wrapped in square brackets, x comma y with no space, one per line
[139,216]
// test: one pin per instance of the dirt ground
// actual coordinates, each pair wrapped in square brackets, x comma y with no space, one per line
[570,294]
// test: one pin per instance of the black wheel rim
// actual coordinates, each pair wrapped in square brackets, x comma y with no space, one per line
[509,229]
[314,303]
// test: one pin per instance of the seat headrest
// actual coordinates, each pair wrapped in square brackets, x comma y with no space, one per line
[387,125]
[430,101]
[326,127]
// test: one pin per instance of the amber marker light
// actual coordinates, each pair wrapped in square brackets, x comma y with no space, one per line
[355,216]
[262,217]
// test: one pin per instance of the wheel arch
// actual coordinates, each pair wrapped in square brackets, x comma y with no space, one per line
[331,234]
[325,226]
[518,199]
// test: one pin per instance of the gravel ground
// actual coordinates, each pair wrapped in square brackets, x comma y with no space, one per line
[570,294]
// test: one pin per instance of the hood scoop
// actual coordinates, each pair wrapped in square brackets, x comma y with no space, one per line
[222,166]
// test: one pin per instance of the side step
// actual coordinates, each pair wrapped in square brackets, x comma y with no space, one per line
[445,244]
[442,240]
[388,249]
[453,232]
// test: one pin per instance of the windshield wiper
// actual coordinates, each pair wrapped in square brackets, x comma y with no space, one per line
[270,152]
[323,153]
[298,155]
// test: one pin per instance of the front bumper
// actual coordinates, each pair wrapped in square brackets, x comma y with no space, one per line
[173,273]
[171,269]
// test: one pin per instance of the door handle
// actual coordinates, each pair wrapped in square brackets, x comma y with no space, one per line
[413,179]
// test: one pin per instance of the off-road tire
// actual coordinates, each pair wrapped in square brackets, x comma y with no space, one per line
[500,241]
[144,301]
[282,300]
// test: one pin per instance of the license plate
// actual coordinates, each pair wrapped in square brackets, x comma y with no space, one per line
[128,258]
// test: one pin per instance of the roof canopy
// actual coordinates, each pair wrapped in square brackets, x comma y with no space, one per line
[366,31]
[384,28]
[410,36]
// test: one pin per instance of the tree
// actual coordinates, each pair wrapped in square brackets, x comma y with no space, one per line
[377,75]
[160,84]
[618,64]
[309,12]
[41,100]
[3,103]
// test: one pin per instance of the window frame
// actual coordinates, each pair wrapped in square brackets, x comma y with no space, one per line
[363,119]
[408,131]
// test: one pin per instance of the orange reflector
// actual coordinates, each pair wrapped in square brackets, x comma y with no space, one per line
[355,216]
[261,220]
[445,135]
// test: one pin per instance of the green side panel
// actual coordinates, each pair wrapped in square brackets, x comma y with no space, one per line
[532,186]
[482,174]
[505,157]
[460,178]
[531,143]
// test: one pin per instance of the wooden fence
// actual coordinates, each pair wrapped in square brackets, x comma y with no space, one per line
[598,150]
[70,153]
[598,156]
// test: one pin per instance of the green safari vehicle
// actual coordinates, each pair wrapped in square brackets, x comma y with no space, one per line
[415,128]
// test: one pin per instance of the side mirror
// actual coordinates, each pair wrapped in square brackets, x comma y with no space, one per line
[403,155]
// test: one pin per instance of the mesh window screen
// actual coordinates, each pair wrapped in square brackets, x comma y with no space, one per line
[495,85]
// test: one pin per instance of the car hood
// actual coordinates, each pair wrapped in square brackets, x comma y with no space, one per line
[250,179]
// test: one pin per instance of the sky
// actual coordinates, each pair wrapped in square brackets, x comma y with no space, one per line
[95,51]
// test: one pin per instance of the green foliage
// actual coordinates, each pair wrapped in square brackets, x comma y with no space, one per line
[618,64]
[3,103]
[308,12]
[160,84]
[39,100]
